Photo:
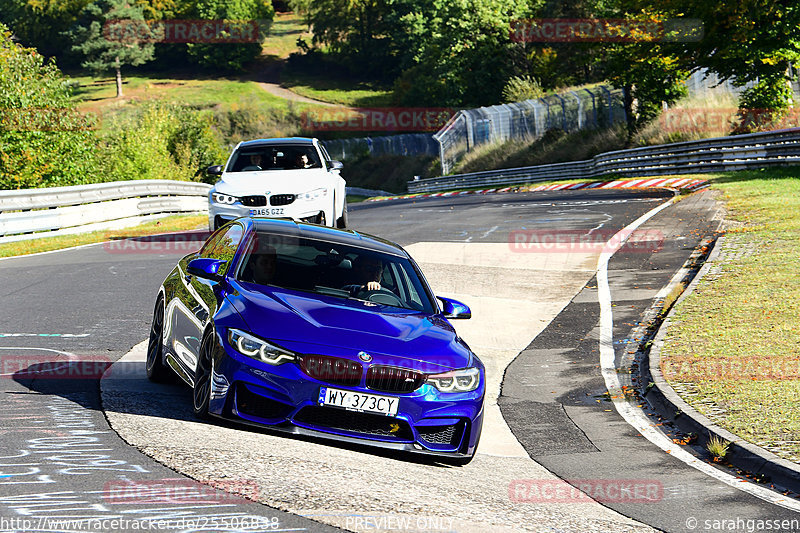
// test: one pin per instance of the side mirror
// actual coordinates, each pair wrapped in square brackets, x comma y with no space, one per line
[205,268]
[336,165]
[454,309]
[214,170]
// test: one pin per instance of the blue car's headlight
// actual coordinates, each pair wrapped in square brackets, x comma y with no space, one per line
[252,346]
[464,380]
[220,198]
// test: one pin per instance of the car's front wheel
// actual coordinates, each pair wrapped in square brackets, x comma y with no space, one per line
[155,367]
[202,376]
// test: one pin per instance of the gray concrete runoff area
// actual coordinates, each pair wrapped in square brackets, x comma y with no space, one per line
[551,325]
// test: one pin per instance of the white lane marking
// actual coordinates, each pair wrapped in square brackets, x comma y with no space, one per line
[489,232]
[634,416]
[601,224]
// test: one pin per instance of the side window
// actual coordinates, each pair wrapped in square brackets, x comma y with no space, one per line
[325,163]
[223,246]
[409,291]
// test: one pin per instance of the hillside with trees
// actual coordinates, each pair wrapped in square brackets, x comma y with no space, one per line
[438,53]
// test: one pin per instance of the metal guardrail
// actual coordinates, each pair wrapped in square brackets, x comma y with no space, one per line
[720,154]
[35,213]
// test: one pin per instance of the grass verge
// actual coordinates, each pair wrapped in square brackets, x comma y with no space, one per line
[733,343]
[335,90]
[154,227]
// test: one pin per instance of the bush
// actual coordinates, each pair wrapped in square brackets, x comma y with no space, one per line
[248,120]
[43,141]
[763,104]
[519,88]
[162,141]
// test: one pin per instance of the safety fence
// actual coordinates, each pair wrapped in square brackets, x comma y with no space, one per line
[34,213]
[404,144]
[739,152]
[595,107]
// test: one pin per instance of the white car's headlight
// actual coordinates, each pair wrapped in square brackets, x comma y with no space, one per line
[221,198]
[322,192]
[252,346]
[463,380]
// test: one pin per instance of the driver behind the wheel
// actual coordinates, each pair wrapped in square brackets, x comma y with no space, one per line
[366,274]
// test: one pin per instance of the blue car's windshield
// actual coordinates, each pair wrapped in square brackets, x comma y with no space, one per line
[334,269]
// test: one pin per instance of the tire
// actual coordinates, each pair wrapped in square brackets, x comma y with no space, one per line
[201,392]
[341,222]
[156,369]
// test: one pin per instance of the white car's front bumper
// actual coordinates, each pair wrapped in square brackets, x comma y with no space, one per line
[309,211]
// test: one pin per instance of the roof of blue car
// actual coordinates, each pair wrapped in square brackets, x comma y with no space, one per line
[324,233]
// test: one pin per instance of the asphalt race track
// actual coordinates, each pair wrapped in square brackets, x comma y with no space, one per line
[66,316]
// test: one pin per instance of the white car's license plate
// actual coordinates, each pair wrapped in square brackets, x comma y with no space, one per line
[266,211]
[358,401]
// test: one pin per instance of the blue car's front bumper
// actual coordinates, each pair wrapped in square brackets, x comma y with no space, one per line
[286,398]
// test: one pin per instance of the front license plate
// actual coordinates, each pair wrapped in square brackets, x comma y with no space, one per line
[266,211]
[358,401]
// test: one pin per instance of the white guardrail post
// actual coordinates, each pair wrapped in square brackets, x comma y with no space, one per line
[755,150]
[34,213]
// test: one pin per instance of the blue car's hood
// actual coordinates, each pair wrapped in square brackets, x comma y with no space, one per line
[311,323]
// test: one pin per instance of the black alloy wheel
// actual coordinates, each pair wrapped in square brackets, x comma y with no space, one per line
[202,376]
[156,369]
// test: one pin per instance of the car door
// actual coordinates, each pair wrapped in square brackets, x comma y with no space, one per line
[336,184]
[199,298]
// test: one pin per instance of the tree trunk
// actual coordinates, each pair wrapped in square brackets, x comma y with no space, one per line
[117,66]
[627,98]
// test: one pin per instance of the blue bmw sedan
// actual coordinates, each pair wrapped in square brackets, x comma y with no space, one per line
[318,331]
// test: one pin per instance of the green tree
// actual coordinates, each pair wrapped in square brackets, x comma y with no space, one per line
[104,50]
[648,69]
[230,56]
[43,140]
[357,30]
[40,24]
[746,41]
[454,52]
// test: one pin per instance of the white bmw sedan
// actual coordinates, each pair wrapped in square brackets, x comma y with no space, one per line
[280,178]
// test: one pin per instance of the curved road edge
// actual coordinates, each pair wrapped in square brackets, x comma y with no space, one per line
[663,398]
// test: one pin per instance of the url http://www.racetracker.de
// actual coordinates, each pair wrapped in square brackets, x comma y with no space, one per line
[204,523]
